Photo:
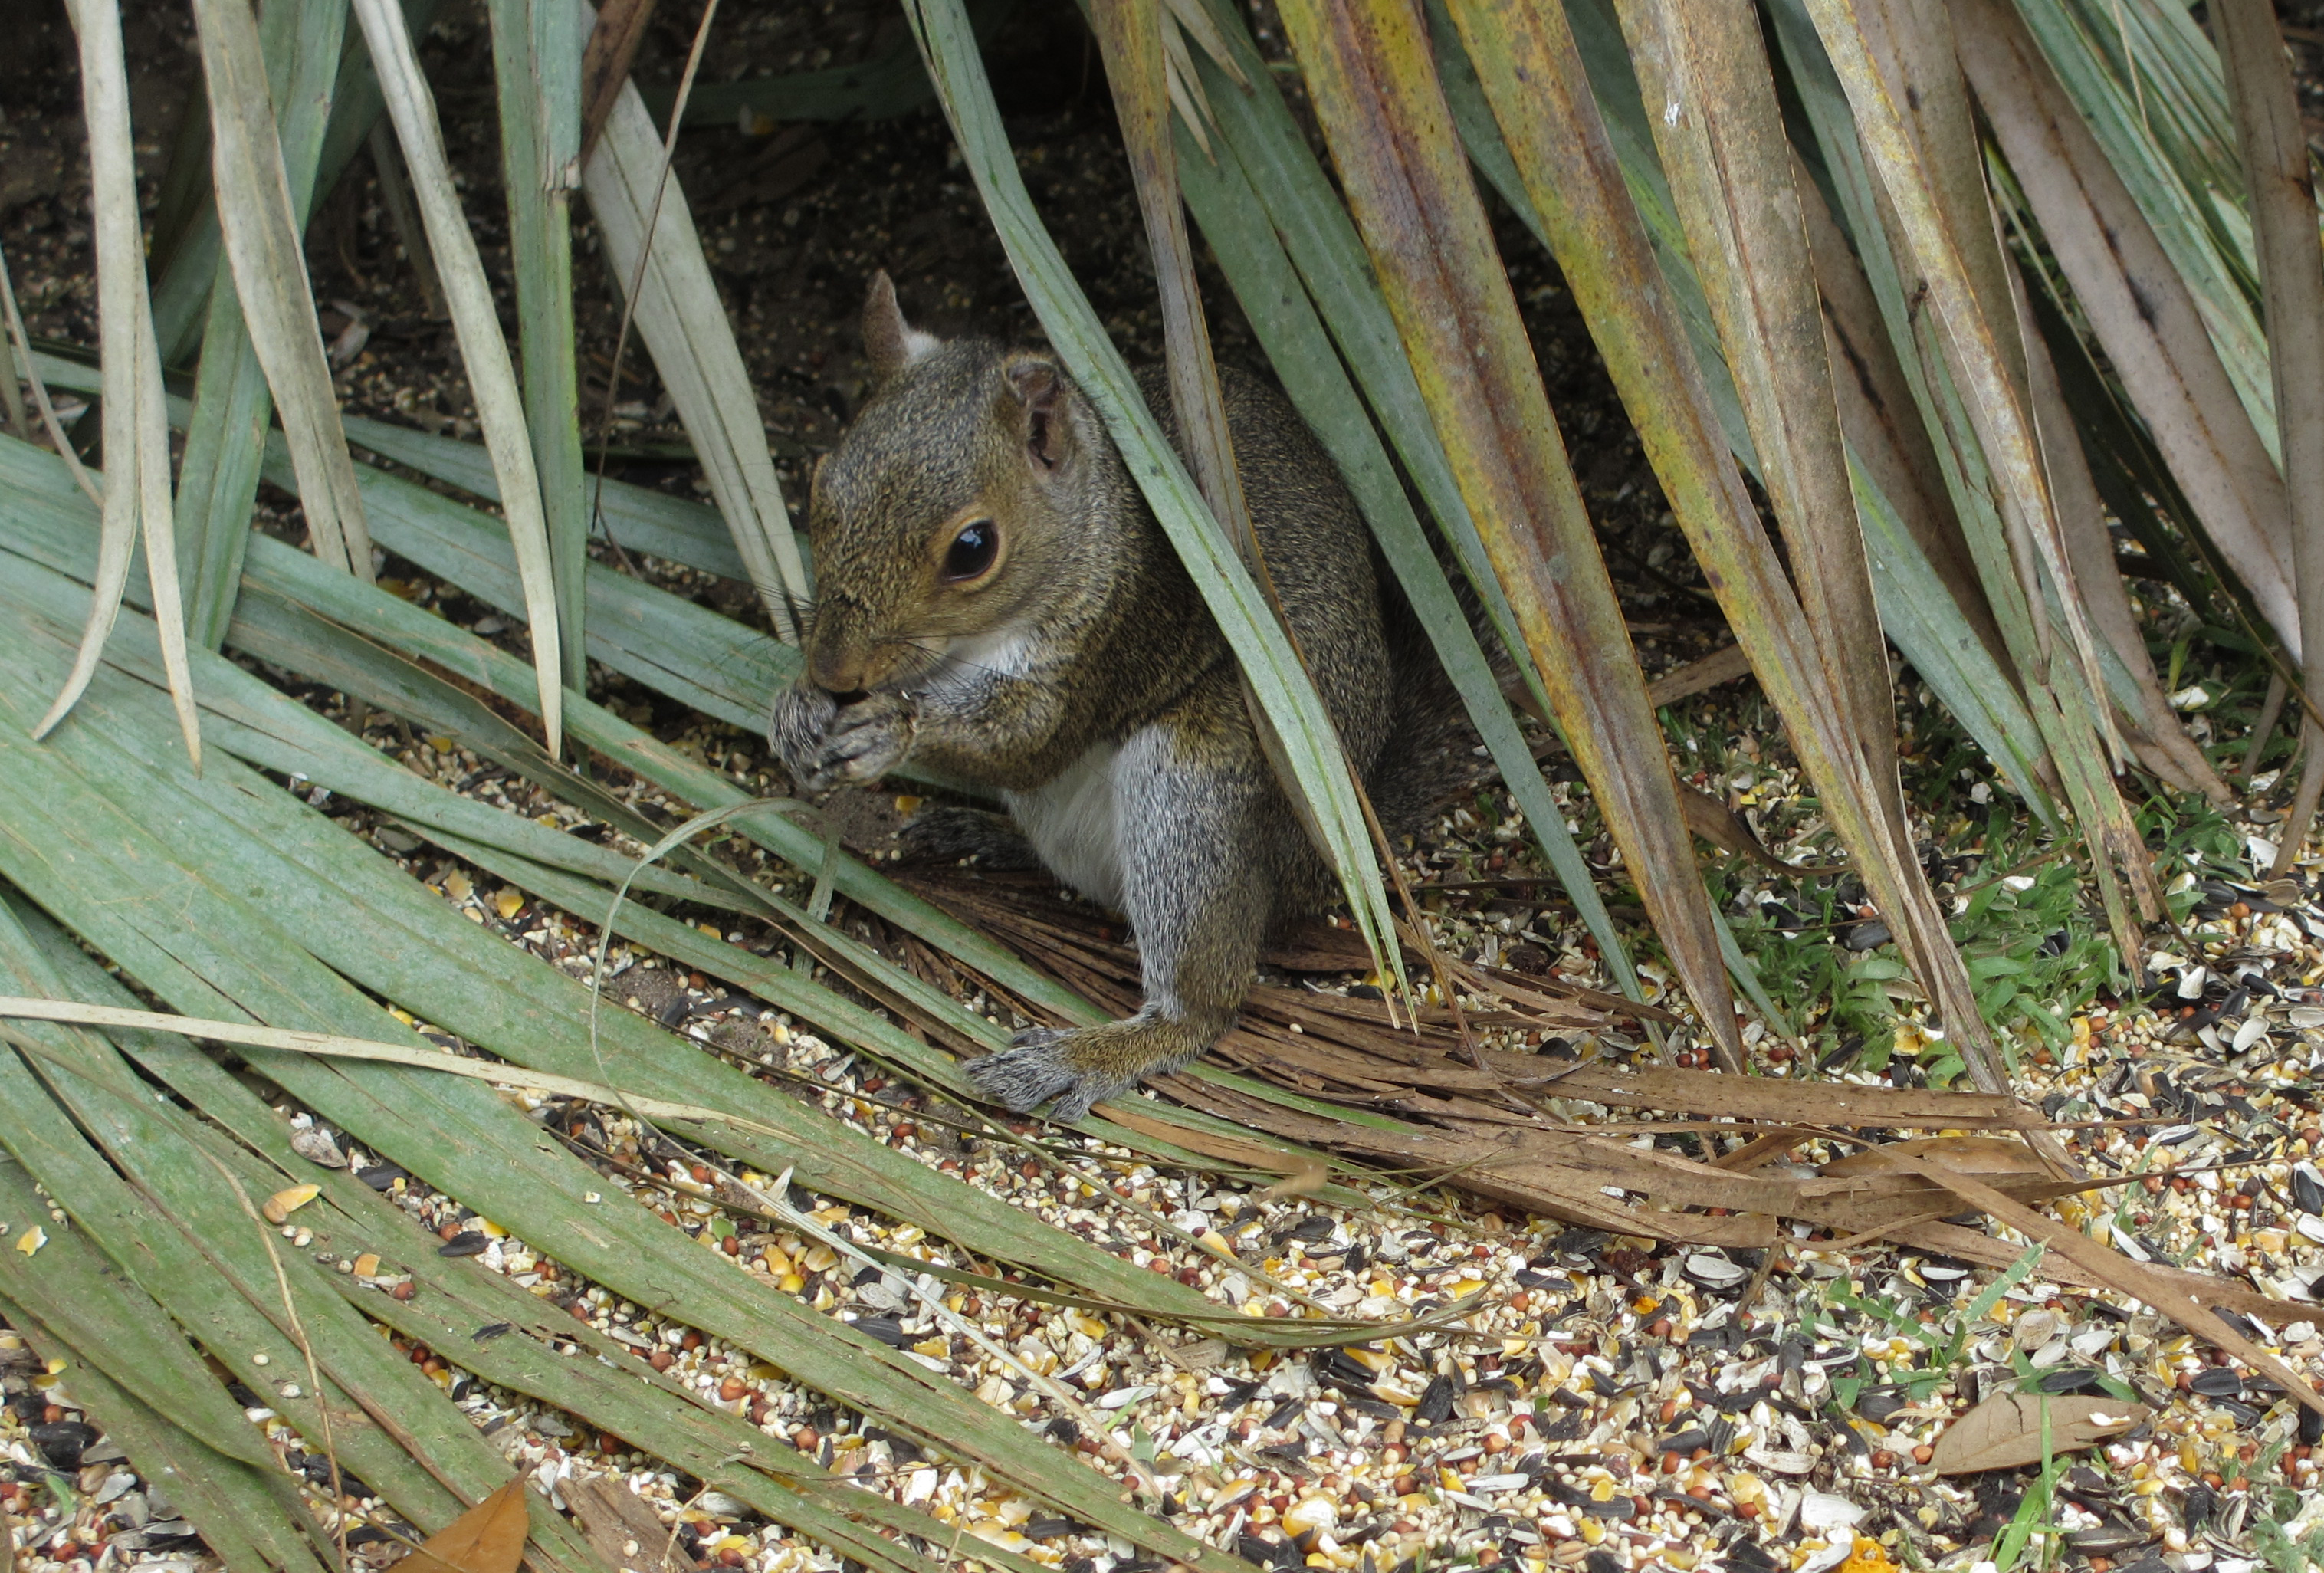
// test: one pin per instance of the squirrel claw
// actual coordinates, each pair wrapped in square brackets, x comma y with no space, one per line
[1035,1070]
[1038,1066]
[1081,1067]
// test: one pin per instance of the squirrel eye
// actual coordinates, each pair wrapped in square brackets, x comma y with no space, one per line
[972,551]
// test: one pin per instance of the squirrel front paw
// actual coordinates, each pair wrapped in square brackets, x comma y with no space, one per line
[824,743]
[1081,1067]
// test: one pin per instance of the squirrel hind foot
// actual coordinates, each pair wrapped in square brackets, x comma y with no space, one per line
[947,834]
[1081,1067]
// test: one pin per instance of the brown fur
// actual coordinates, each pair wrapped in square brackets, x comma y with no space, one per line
[1082,675]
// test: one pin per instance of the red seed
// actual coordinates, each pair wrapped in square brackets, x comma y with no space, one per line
[733,1387]
[805,1439]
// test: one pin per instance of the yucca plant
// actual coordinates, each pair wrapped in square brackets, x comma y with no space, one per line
[1841,248]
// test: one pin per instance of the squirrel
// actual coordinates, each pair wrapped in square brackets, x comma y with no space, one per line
[995,601]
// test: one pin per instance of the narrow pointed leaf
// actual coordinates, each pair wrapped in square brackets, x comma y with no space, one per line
[137,427]
[217,480]
[537,65]
[2138,306]
[1406,177]
[681,317]
[2276,163]
[500,408]
[261,231]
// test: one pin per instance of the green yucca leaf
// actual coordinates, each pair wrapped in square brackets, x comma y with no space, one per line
[679,316]
[136,431]
[492,378]
[613,1389]
[1254,237]
[640,518]
[537,66]
[193,943]
[261,227]
[217,480]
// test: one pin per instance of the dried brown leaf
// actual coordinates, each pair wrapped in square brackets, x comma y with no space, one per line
[489,1538]
[2000,1159]
[2005,1431]
[2119,1273]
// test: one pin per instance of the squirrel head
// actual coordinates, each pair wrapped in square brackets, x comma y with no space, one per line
[968,503]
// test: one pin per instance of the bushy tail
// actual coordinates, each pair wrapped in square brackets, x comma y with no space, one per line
[1430,756]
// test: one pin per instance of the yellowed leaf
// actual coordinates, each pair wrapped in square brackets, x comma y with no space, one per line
[508,904]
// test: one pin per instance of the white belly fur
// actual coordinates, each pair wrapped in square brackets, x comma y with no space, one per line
[1074,821]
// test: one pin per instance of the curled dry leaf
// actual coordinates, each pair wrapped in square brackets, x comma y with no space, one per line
[489,1538]
[283,1203]
[2005,1431]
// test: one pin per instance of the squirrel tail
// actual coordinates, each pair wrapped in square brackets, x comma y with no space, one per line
[1428,761]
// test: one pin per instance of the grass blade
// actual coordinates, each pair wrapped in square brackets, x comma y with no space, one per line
[500,409]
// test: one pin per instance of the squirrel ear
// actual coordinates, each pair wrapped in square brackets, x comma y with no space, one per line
[889,342]
[1039,388]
